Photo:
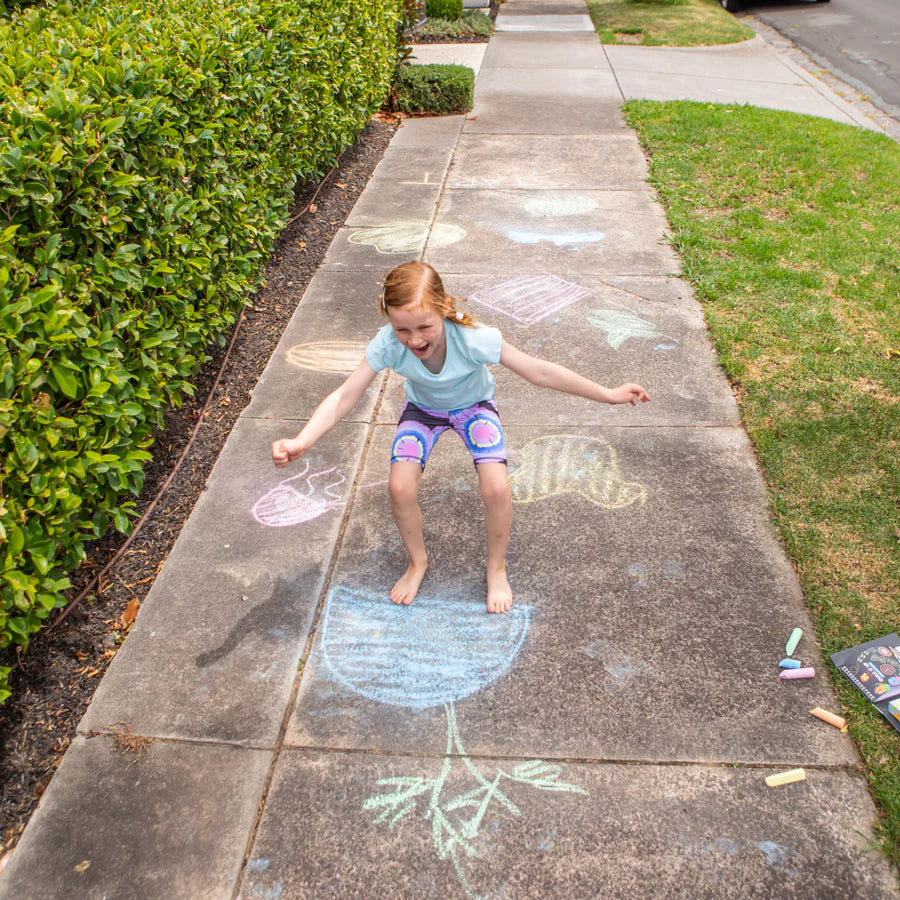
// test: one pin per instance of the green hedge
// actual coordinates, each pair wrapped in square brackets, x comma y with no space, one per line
[441,88]
[443,9]
[148,152]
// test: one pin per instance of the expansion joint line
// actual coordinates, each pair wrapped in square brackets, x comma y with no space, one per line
[311,636]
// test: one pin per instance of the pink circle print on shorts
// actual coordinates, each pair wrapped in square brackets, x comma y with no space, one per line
[483,433]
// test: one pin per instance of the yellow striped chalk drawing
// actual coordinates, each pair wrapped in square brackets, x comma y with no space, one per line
[327,356]
[570,464]
[407,237]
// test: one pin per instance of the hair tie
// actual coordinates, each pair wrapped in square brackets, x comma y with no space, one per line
[459,315]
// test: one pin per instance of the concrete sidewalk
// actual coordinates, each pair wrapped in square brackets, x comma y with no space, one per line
[611,734]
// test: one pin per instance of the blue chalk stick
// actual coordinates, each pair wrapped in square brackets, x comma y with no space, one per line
[788,663]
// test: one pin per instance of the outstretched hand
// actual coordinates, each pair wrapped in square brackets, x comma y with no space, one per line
[285,451]
[629,393]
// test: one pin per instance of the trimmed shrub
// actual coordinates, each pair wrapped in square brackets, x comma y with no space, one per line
[435,88]
[473,23]
[443,9]
[148,152]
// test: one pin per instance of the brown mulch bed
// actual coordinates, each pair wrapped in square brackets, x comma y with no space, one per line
[54,681]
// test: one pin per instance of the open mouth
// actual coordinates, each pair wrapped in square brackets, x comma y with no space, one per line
[420,351]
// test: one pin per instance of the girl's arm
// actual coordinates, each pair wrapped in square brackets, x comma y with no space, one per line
[328,413]
[559,378]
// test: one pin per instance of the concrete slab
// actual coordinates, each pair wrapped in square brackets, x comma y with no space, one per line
[511,114]
[750,61]
[542,8]
[750,72]
[214,650]
[412,165]
[431,131]
[545,23]
[562,83]
[672,540]
[604,231]
[549,162]
[521,50]
[384,200]
[322,344]
[471,55]
[172,822]
[798,98]
[412,827]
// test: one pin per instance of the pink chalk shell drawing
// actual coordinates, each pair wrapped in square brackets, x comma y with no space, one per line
[531,298]
[285,505]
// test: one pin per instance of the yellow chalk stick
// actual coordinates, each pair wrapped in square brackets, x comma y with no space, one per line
[785,777]
[830,718]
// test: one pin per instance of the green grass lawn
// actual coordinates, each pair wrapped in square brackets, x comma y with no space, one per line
[672,23]
[788,228]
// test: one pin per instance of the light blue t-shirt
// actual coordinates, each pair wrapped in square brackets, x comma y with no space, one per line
[464,379]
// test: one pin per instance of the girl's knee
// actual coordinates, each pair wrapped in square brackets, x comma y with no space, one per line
[495,488]
[403,485]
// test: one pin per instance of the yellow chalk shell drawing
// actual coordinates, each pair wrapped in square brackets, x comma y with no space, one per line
[571,464]
[407,237]
[327,356]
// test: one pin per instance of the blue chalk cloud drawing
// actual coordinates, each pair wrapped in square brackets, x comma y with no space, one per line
[433,653]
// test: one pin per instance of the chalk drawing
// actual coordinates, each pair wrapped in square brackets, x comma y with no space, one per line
[670,570]
[407,237]
[530,298]
[571,239]
[431,654]
[618,665]
[420,656]
[573,464]
[622,324]
[285,505]
[456,822]
[709,856]
[560,205]
[327,356]
[779,857]
[532,180]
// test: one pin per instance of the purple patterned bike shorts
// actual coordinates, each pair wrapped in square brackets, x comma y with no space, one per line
[479,427]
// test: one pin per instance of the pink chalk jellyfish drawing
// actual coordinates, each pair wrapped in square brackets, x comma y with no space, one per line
[286,505]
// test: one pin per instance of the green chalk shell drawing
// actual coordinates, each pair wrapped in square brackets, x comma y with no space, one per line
[622,324]
[573,464]
[560,205]
[407,237]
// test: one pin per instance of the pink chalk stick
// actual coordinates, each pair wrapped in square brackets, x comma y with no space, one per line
[790,674]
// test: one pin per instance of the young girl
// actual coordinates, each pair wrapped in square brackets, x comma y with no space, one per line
[443,354]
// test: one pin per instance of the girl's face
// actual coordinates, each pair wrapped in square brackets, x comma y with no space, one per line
[419,328]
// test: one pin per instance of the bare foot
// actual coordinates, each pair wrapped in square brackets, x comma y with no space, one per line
[499,593]
[405,590]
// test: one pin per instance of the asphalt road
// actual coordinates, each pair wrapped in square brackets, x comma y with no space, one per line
[858,40]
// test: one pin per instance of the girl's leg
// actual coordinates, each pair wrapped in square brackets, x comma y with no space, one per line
[404,488]
[494,483]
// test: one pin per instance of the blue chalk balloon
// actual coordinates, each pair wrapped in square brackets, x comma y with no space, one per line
[789,663]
